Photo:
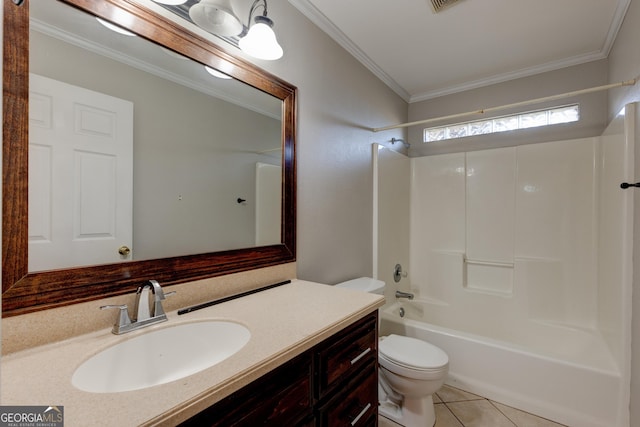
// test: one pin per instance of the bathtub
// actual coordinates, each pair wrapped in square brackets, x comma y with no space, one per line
[575,391]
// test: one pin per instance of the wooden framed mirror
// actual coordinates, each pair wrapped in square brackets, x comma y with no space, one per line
[25,291]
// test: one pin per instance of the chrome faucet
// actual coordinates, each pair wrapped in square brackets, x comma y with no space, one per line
[400,294]
[142,301]
[143,316]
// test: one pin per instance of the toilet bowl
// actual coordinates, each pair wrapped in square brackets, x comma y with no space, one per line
[410,371]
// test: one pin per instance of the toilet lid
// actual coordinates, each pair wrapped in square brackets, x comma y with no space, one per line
[412,352]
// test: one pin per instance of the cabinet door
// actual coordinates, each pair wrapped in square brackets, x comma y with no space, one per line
[282,397]
[357,406]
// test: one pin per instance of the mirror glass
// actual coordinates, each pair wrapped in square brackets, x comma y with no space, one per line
[192,215]
[140,152]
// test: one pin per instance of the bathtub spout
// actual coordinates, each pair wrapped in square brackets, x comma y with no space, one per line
[400,294]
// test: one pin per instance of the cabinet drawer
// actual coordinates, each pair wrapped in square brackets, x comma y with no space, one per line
[282,397]
[357,406]
[346,354]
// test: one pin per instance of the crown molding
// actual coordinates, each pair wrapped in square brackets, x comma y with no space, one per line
[318,18]
[512,75]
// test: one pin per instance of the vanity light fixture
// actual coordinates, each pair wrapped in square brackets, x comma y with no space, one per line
[216,16]
[115,28]
[260,40]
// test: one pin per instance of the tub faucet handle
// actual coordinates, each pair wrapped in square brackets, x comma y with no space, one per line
[398,273]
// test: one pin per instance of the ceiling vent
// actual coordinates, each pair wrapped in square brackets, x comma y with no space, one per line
[439,5]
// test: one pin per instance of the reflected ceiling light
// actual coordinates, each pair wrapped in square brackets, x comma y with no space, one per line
[216,16]
[260,41]
[115,28]
[171,2]
[216,73]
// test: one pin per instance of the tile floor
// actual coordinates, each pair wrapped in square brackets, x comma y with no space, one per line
[458,408]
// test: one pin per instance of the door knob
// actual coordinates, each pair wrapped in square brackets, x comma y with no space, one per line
[124,250]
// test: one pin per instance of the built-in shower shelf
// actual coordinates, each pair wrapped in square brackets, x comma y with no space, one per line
[489,277]
[489,263]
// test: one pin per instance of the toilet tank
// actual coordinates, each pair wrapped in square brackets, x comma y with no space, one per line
[365,284]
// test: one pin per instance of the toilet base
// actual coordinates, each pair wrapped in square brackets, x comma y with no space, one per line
[410,413]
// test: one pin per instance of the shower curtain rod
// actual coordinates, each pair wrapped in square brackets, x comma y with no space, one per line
[516,104]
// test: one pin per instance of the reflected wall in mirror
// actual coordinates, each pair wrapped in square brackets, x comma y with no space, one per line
[205,150]
[196,185]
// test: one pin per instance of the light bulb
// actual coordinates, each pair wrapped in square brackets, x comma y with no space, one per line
[260,42]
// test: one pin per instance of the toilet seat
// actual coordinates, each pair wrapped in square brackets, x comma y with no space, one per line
[411,357]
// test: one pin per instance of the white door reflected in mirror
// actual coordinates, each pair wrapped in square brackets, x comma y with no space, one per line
[80,175]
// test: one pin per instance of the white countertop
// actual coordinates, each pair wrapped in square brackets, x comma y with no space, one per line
[284,322]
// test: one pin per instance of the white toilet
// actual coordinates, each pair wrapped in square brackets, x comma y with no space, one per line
[411,370]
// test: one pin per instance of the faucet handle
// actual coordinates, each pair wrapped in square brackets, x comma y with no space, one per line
[158,308]
[123,317]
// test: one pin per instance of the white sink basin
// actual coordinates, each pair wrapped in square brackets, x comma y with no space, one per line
[160,356]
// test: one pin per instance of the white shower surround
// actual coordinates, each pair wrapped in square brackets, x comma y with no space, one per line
[520,261]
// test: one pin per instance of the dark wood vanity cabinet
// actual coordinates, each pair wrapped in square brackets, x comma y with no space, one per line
[283,397]
[346,376]
[331,385]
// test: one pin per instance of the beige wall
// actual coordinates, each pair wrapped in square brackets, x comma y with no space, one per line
[624,64]
[339,99]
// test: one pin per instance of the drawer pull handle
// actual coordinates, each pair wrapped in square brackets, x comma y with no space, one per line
[361,414]
[360,356]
